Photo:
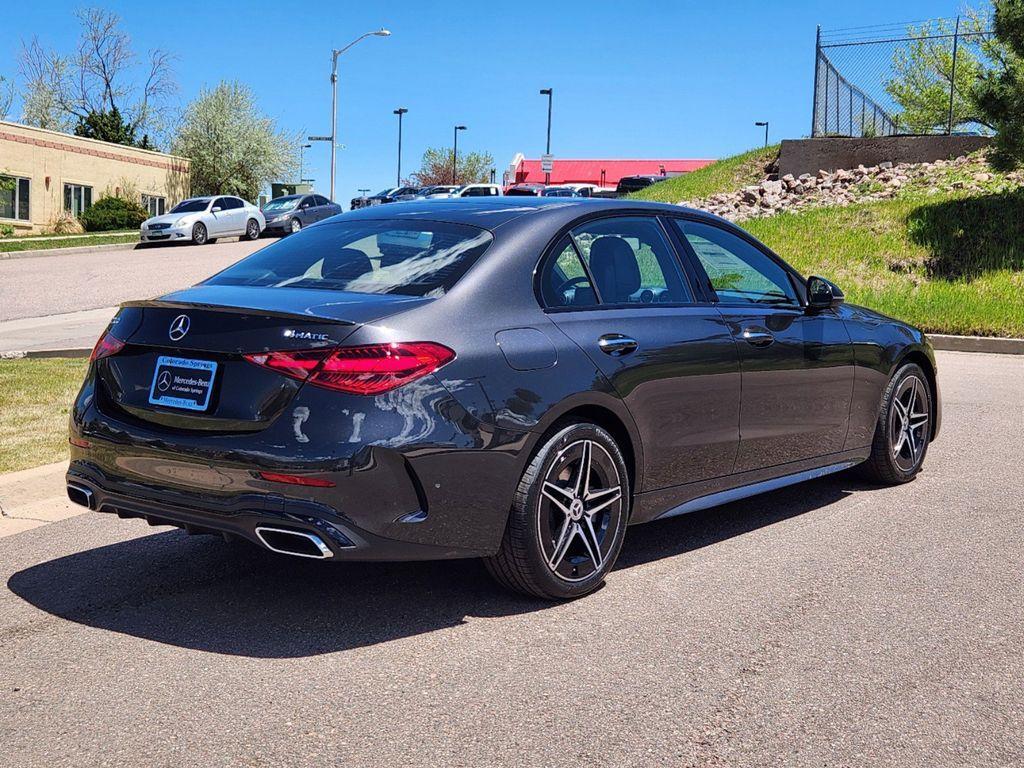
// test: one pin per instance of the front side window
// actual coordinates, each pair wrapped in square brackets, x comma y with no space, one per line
[738,271]
[77,199]
[424,258]
[14,198]
[630,261]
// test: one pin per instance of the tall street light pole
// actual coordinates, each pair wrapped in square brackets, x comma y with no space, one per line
[455,151]
[549,92]
[302,147]
[763,124]
[334,97]
[400,111]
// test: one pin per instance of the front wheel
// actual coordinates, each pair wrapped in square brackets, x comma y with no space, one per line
[294,226]
[568,516]
[199,234]
[903,430]
[252,229]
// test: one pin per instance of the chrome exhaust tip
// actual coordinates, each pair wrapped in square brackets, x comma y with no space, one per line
[79,494]
[295,543]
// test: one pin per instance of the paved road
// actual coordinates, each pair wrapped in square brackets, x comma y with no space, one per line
[827,624]
[58,284]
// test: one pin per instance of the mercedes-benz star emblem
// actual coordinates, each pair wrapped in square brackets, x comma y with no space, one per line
[163,383]
[179,327]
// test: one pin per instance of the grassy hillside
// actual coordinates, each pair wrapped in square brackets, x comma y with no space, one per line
[953,265]
[947,253]
[723,175]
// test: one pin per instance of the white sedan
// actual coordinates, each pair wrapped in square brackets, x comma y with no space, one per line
[203,220]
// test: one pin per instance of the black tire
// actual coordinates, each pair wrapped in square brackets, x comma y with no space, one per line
[539,528]
[252,230]
[896,454]
[200,236]
[294,226]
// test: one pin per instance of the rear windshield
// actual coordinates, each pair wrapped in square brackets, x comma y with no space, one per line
[424,258]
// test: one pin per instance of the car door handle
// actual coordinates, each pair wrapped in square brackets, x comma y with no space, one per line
[616,345]
[757,337]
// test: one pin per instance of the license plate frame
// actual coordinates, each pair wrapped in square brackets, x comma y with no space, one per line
[182,383]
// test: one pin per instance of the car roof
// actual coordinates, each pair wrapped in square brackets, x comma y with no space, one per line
[493,212]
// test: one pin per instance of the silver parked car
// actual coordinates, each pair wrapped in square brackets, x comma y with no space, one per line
[203,220]
[290,213]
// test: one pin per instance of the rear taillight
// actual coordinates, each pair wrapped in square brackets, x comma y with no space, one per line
[107,345]
[366,370]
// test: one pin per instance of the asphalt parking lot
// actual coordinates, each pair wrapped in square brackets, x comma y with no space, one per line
[827,624]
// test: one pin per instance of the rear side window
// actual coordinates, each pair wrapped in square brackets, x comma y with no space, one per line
[320,200]
[738,271]
[424,258]
[630,261]
[564,281]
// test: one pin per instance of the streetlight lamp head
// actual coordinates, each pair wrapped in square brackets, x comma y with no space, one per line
[460,127]
[400,111]
[761,123]
[383,32]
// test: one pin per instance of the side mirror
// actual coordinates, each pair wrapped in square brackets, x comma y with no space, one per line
[822,294]
[215,209]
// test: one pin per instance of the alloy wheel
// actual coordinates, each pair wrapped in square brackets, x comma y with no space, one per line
[581,501]
[908,423]
[252,230]
[199,234]
[296,225]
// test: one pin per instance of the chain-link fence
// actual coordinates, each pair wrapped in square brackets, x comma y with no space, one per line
[908,78]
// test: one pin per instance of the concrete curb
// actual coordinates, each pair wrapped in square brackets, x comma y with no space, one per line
[40,353]
[987,344]
[69,251]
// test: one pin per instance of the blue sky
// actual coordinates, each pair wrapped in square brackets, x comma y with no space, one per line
[631,79]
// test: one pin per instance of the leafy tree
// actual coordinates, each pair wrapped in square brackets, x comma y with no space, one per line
[1000,94]
[6,96]
[110,126]
[100,78]
[924,71]
[234,149]
[436,168]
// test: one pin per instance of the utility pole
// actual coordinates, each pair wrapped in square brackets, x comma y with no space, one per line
[549,92]
[400,111]
[334,97]
[455,151]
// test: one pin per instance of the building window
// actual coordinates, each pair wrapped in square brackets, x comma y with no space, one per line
[14,198]
[154,204]
[77,198]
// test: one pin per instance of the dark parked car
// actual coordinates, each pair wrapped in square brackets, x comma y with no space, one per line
[290,213]
[517,380]
[389,195]
[525,190]
[629,184]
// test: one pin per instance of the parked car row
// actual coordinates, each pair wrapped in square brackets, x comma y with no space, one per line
[437,191]
[202,220]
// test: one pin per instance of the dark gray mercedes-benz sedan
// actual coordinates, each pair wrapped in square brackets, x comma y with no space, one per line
[515,379]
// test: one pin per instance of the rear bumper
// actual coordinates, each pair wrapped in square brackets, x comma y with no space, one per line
[242,515]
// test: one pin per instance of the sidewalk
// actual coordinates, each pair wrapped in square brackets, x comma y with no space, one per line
[71,334]
[34,497]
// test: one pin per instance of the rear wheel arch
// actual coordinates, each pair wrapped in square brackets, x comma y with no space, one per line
[620,426]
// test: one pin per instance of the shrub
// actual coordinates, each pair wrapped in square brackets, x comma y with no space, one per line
[109,213]
[6,230]
[65,224]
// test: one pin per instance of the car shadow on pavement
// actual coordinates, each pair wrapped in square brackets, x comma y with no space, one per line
[198,593]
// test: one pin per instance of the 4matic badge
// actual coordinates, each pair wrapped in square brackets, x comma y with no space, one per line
[291,333]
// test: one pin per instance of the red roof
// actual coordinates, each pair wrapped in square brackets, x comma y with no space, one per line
[603,172]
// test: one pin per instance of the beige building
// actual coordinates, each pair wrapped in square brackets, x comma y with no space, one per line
[57,172]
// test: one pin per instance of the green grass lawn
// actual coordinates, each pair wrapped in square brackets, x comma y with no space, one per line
[12,244]
[723,175]
[35,398]
[949,265]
